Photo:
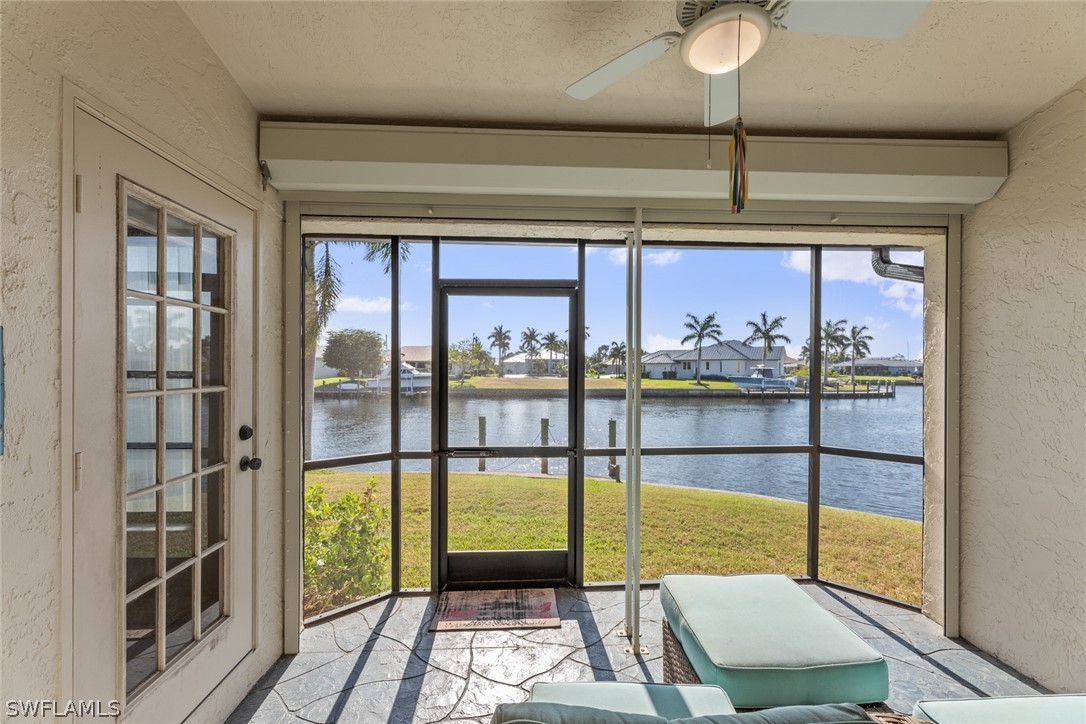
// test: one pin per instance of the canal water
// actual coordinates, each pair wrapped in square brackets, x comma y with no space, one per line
[362,425]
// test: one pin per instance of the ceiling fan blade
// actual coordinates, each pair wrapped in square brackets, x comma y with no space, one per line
[721,98]
[879,19]
[623,65]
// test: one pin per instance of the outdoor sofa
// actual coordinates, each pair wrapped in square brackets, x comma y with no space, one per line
[610,702]
[764,641]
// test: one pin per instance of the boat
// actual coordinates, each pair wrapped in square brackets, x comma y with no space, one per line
[411,380]
[761,378]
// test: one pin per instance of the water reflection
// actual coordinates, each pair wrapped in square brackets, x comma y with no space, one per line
[343,427]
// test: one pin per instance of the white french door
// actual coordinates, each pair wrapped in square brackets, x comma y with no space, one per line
[163,373]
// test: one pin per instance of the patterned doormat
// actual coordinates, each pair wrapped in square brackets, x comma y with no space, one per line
[510,608]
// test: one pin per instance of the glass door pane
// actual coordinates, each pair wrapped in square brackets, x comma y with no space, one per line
[175,499]
[508,371]
[508,388]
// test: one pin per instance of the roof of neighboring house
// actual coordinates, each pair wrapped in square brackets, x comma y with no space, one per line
[729,349]
[662,357]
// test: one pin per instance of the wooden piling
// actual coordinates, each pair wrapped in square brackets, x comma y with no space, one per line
[612,441]
[482,442]
[544,440]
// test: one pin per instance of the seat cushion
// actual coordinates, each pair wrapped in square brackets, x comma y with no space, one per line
[1048,709]
[807,714]
[767,643]
[670,701]
[536,712]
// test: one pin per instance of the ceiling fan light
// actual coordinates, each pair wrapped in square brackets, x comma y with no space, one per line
[714,44]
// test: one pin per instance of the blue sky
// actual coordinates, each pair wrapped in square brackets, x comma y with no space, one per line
[736,284]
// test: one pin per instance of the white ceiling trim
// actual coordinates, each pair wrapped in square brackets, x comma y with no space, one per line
[363,158]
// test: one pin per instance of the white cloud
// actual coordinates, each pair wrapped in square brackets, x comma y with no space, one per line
[657,342]
[488,305]
[663,258]
[837,266]
[656,258]
[875,324]
[407,307]
[906,297]
[364,306]
[855,266]
[799,260]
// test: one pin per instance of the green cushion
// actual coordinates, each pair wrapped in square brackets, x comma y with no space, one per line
[670,701]
[1049,709]
[809,714]
[537,712]
[548,713]
[767,643]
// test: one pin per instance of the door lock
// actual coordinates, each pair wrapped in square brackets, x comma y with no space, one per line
[248,463]
[245,432]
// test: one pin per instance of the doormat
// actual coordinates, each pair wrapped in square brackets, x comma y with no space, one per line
[509,608]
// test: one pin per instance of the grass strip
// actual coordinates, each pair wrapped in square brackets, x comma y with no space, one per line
[684,530]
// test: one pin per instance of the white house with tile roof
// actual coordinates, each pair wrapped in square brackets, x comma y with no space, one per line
[730,357]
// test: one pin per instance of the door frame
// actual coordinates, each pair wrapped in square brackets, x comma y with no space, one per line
[73,100]
[474,569]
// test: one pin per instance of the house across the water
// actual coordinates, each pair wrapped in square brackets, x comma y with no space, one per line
[888,366]
[730,357]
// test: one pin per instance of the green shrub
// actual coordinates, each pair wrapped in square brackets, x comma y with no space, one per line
[346,548]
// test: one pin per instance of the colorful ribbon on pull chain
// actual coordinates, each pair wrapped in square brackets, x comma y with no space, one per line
[737,162]
[737,149]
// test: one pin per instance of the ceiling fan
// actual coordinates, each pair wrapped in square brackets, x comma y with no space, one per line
[714,28]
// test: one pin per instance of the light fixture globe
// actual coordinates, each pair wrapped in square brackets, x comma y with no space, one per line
[713,44]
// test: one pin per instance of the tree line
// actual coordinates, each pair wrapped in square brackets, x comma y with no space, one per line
[356,352]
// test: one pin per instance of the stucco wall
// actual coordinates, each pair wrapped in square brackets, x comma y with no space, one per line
[935,305]
[1023,404]
[148,62]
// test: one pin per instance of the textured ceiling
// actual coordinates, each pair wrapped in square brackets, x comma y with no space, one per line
[965,69]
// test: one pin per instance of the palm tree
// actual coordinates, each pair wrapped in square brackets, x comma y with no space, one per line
[500,338]
[701,330]
[805,352]
[833,337]
[766,332]
[858,347]
[617,354]
[529,344]
[551,342]
[322,289]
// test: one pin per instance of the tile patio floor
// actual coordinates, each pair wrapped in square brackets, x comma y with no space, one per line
[381,664]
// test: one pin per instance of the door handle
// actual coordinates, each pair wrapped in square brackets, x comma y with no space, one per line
[248,463]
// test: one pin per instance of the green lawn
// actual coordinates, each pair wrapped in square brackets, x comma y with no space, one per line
[329,381]
[683,529]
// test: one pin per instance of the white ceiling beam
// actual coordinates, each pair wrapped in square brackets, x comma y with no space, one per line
[362,158]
